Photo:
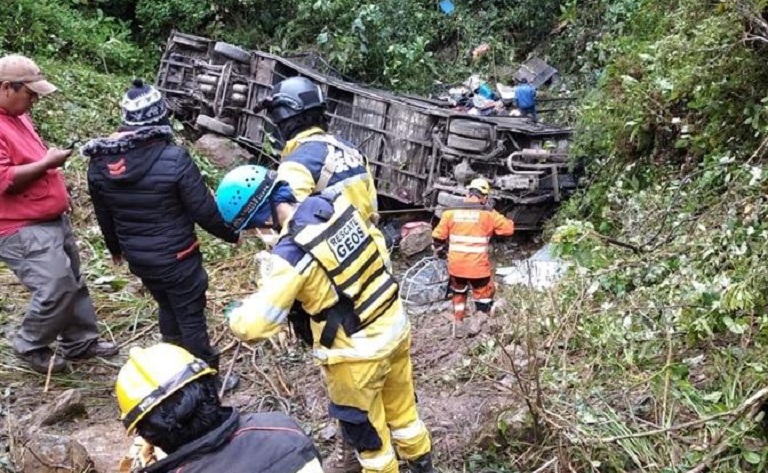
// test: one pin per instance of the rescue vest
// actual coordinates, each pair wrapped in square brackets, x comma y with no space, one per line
[349,155]
[343,246]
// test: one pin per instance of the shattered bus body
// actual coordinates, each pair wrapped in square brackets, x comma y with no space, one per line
[422,153]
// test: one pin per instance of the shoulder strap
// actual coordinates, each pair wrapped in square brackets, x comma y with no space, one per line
[326,173]
[331,162]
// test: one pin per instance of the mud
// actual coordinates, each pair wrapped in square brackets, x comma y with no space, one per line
[458,397]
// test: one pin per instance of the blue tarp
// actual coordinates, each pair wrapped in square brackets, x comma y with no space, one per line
[447,6]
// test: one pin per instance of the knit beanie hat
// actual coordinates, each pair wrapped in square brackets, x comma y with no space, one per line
[143,105]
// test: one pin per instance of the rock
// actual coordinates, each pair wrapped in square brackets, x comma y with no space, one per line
[508,381]
[239,400]
[415,237]
[518,354]
[106,444]
[67,405]
[477,322]
[425,282]
[54,454]
[328,432]
[222,152]
[510,424]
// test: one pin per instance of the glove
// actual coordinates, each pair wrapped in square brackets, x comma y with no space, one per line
[440,251]
[229,308]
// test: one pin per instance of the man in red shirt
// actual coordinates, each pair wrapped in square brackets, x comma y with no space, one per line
[36,239]
[467,232]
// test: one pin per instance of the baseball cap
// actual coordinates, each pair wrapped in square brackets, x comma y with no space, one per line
[16,68]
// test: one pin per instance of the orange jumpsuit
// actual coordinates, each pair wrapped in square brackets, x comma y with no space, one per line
[468,232]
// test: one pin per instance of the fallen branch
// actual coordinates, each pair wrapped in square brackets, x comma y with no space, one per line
[544,467]
[635,249]
[269,381]
[139,335]
[736,413]
[229,369]
[752,404]
[281,379]
[50,367]
[761,150]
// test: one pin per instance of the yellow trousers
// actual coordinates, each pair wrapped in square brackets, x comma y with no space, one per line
[376,404]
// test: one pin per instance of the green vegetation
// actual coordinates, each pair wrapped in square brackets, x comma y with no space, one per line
[650,349]
[54,29]
[405,45]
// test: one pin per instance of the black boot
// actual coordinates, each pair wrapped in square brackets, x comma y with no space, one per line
[231,383]
[172,340]
[423,464]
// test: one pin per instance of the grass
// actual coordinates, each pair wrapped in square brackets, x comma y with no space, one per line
[602,400]
[87,106]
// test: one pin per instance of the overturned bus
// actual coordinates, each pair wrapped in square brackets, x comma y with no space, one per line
[422,152]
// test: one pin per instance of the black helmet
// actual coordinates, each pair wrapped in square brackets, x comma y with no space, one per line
[293,96]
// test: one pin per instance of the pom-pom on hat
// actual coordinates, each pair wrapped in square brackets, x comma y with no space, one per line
[143,105]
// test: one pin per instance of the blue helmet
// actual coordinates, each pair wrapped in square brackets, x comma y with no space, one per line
[241,196]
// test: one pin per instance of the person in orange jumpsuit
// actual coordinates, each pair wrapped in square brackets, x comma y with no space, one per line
[467,233]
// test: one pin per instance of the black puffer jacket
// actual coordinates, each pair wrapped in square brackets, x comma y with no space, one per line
[148,194]
[268,442]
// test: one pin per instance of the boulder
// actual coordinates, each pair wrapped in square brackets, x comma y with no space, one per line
[46,453]
[222,152]
[415,237]
[106,444]
[66,406]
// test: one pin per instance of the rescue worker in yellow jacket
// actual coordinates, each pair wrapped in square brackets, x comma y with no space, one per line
[169,398]
[467,232]
[314,160]
[330,278]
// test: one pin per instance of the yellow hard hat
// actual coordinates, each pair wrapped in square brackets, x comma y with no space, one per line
[151,375]
[480,185]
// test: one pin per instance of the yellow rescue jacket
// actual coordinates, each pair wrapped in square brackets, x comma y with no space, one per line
[330,263]
[315,161]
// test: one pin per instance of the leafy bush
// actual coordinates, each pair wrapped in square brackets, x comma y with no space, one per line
[52,28]
[664,307]
[157,18]
[406,45]
[86,105]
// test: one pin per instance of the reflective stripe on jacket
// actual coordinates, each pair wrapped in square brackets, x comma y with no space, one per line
[468,232]
[356,264]
[303,161]
[344,247]
[304,158]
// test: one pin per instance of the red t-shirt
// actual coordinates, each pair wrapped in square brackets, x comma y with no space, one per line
[44,199]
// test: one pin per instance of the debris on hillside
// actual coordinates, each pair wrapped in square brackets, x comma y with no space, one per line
[540,271]
[425,282]
[476,97]
[221,152]
[537,72]
[46,453]
[415,237]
